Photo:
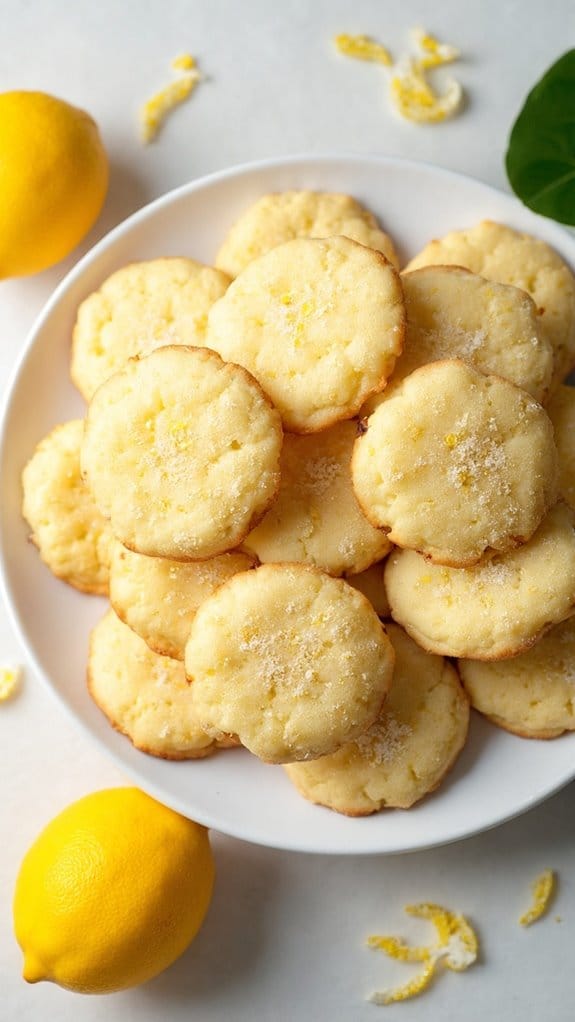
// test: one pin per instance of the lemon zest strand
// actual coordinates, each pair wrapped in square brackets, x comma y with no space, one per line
[457,947]
[362,47]
[434,53]
[9,681]
[415,100]
[411,989]
[543,887]
[155,110]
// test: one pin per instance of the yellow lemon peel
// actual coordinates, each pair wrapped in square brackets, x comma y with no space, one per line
[10,677]
[414,98]
[457,947]
[184,62]
[155,110]
[434,52]
[411,93]
[362,47]
[543,887]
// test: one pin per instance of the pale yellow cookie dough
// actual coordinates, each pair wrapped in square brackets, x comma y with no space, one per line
[72,536]
[407,752]
[532,695]
[292,661]
[143,695]
[503,254]
[454,463]
[318,322]
[453,313]
[283,216]
[182,452]
[562,414]
[316,517]
[141,307]
[498,607]
[158,598]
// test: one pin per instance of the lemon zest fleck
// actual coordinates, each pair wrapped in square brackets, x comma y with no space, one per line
[184,62]
[362,47]
[10,677]
[457,947]
[155,110]
[543,887]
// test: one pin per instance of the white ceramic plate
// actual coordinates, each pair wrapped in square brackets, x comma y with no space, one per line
[498,775]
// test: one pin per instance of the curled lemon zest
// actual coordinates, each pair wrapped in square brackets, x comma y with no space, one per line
[434,52]
[543,887]
[414,98]
[9,681]
[408,990]
[154,111]
[362,47]
[457,947]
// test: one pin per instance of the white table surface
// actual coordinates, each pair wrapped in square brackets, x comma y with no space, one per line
[285,936]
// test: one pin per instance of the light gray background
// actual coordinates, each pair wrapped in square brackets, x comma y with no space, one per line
[285,935]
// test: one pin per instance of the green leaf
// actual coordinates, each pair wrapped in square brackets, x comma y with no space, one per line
[540,159]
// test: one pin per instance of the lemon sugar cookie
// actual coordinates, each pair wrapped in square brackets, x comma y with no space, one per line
[561,411]
[496,608]
[509,257]
[371,583]
[532,695]
[316,517]
[141,307]
[454,463]
[283,216]
[73,538]
[318,322]
[158,598]
[181,452]
[143,695]
[407,752]
[453,313]
[292,661]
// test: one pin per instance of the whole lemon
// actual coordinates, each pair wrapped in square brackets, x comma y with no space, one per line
[53,180]
[111,892]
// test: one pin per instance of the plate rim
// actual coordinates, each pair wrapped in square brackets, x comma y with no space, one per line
[147,211]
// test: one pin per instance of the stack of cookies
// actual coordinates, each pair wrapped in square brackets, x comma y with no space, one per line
[283,452]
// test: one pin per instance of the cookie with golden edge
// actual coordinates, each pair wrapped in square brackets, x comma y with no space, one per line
[158,598]
[502,254]
[495,609]
[292,661]
[454,463]
[141,307]
[143,695]
[561,411]
[73,538]
[370,582]
[453,313]
[181,452]
[283,216]
[319,323]
[316,517]
[405,755]
[532,695]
